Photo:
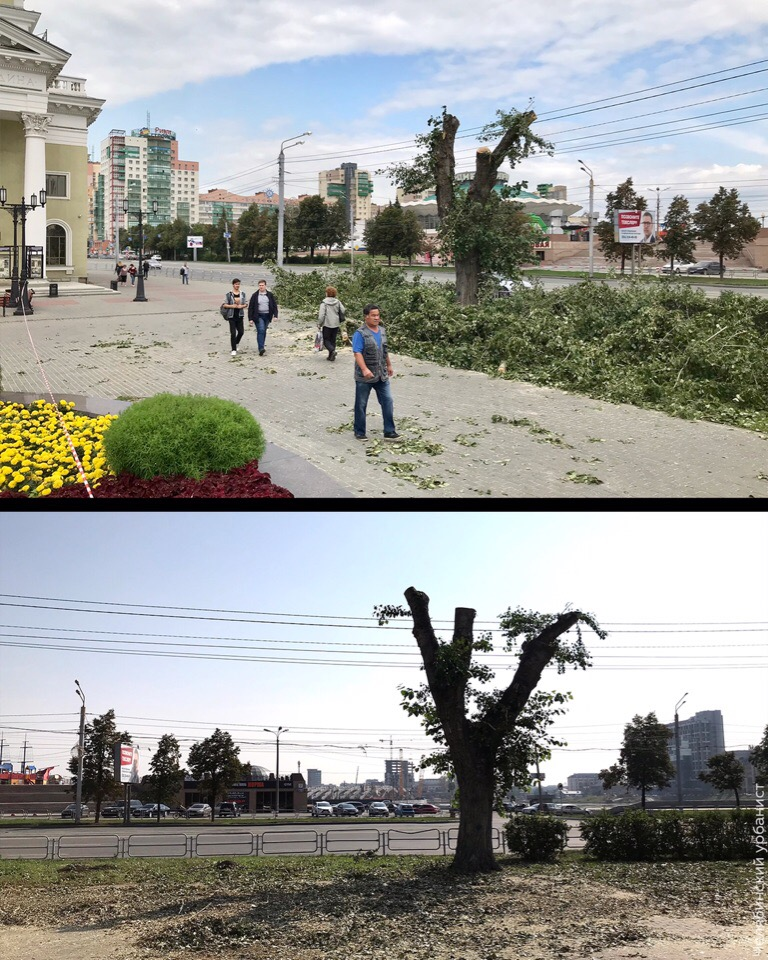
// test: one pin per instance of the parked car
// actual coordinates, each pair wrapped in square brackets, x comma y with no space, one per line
[116,808]
[378,809]
[422,808]
[708,267]
[155,262]
[404,810]
[359,804]
[199,810]
[149,810]
[345,810]
[681,266]
[228,809]
[68,813]
[322,809]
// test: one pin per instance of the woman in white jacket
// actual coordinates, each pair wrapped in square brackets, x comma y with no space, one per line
[330,316]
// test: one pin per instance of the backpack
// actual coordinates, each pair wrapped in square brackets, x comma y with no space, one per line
[181,272]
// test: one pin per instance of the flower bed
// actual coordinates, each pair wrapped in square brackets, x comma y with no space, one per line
[35,461]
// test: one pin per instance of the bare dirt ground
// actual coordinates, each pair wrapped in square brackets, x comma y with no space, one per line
[380,911]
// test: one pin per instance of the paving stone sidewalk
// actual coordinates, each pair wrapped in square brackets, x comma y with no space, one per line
[466,434]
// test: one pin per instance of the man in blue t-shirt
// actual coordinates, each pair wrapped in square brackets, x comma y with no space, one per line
[372,372]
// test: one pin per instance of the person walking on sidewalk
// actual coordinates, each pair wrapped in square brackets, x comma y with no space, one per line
[262,310]
[373,370]
[235,302]
[145,268]
[133,271]
[184,274]
[329,318]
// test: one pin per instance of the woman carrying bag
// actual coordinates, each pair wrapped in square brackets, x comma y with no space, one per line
[330,316]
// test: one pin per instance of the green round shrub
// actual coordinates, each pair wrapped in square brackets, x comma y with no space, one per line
[188,435]
[536,837]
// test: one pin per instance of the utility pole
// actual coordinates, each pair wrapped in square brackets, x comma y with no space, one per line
[679,704]
[24,760]
[281,191]
[586,169]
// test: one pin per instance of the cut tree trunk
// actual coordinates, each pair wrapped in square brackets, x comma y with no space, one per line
[474,847]
[467,280]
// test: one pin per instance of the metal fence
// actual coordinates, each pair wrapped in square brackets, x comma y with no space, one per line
[339,840]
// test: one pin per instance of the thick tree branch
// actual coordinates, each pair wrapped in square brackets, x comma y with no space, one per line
[445,165]
[534,657]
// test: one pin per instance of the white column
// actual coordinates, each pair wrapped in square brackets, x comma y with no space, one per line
[35,130]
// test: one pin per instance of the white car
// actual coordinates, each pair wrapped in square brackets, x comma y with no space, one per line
[322,809]
[681,266]
[155,262]
[199,810]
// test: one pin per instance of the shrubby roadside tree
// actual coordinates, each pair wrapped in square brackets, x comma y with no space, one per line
[724,773]
[167,773]
[726,224]
[101,737]
[215,764]
[644,760]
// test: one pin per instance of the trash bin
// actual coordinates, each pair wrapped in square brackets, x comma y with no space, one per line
[113,284]
[53,290]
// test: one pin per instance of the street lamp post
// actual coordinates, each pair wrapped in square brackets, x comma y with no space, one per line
[20,287]
[586,169]
[80,753]
[140,215]
[276,735]
[679,704]
[281,184]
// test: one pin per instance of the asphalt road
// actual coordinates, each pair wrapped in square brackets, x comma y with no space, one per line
[250,273]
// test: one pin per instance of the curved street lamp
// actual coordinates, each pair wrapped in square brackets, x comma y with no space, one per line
[586,169]
[281,184]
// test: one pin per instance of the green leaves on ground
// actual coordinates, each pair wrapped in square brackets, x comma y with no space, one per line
[665,347]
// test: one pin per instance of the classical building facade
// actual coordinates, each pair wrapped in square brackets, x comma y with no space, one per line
[44,120]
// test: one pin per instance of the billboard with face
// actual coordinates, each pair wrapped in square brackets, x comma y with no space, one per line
[127,763]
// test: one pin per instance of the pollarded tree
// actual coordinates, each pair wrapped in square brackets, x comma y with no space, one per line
[724,772]
[469,223]
[624,197]
[215,765]
[758,757]
[167,773]
[644,759]
[726,224]
[101,737]
[679,242]
[488,739]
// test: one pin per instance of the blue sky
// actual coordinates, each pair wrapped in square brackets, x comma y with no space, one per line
[689,571]
[235,81]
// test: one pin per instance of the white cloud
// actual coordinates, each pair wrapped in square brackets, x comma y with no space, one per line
[152,46]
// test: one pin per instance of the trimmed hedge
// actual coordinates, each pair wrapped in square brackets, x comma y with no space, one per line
[671,835]
[536,838]
[188,435]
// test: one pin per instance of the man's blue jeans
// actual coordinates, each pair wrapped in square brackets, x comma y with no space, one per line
[384,396]
[262,322]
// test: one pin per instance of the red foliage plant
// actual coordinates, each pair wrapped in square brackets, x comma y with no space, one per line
[245,483]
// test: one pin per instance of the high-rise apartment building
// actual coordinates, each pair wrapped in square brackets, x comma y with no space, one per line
[143,168]
[701,737]
[314,778]
[347,181]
